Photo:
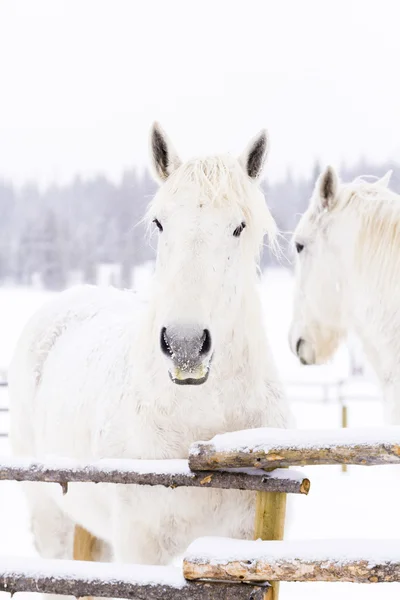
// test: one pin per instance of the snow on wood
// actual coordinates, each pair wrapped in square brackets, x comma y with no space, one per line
[145,582]
[168,473]
[358,561]
[269,448]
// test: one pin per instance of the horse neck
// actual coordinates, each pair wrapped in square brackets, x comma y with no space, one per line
[244,344]
[376,312]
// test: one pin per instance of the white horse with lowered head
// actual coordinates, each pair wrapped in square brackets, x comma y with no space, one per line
[99,374]
[348,277]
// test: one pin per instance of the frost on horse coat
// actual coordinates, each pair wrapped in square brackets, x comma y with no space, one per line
[348,277]
[95,372]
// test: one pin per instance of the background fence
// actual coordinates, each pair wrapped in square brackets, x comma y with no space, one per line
[341,392]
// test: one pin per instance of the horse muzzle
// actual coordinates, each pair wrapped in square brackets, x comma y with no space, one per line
[302,348]
[188,350]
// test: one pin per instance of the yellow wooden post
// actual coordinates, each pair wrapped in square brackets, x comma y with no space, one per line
[342,400]
[344,424]
[270,525]
[84,544]
[84,547]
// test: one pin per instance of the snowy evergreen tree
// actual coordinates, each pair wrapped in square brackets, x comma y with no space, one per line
[78,226]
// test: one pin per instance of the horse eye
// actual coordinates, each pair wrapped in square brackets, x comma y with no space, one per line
[157,222]
[239,229]
[299,247]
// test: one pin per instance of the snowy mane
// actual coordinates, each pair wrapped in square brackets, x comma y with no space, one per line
[377,208]
[370,199]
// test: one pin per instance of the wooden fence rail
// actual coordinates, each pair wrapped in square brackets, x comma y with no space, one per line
[168,473]
[140,582]
[356,561]
[270,448]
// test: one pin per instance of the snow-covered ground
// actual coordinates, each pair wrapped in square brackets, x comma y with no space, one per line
[359,504]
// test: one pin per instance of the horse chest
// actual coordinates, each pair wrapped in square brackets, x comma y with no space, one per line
[167,429]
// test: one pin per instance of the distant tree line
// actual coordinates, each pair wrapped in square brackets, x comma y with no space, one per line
[75,227]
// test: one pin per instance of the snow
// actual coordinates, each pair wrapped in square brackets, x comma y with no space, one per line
[223,550]
[360,504]
[16,306]
[109,573]
[107,465]
[266,439]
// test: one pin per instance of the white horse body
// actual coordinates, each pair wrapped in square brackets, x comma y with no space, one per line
[88,381]
[348,278]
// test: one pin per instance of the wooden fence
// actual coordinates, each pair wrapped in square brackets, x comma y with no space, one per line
[217,568]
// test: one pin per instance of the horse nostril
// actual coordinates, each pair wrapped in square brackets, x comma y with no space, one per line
[180,345]
[298,345]
[165,349]
[206,343]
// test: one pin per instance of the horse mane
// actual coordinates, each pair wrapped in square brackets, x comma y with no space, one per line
[378,209]
[220,181]
[369,198]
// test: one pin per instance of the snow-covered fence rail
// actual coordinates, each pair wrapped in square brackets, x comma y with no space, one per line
[336,560]
[141,582]
[168,473]
[272,448]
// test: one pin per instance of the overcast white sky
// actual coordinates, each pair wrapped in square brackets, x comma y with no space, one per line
[82,80]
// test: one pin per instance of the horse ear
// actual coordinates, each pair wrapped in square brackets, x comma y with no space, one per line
[385,180]
[164,157]
[253,158]
[328,185]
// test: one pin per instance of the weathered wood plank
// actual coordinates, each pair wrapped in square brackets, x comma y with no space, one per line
[140,582]
[167,473]
[271,448]
[358,561]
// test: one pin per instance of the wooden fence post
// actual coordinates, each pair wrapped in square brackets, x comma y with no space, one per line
[84,547]
[345,422]
[84,544]
[270,525]
[344,425]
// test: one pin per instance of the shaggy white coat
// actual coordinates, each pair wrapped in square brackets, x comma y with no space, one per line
[88,379]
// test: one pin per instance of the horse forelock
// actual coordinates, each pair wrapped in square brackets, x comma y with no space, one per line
[219,181]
